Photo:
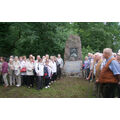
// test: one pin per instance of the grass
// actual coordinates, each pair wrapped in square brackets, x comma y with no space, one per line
[67,87]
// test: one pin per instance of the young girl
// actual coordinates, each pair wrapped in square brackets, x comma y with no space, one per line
[47,74]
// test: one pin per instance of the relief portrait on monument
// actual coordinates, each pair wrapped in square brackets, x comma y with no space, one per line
[73,53]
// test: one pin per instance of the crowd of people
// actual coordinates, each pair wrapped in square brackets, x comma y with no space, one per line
[23,71]
[103,69]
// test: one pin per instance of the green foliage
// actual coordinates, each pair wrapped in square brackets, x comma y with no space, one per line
[49,37]
[34,38]
[99,35]
[85,51]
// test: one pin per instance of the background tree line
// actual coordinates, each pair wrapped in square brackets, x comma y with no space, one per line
[24,38]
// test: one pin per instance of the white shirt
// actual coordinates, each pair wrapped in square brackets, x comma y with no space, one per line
[16,67]
[94,69]
[102,64]
[50,63]
[39,68]
[0,66]
[60,61]
[29,67]
[44,61]
[54,67]
[23,65]
[91,64]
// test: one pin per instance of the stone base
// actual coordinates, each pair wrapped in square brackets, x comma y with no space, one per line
[72,68]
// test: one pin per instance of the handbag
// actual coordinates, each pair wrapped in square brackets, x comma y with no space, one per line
[23,70]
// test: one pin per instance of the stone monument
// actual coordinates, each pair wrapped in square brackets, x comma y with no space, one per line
[73,56]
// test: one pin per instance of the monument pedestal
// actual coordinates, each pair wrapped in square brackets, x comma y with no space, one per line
[72,68]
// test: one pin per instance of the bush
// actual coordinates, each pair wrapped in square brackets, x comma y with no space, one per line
[85,51]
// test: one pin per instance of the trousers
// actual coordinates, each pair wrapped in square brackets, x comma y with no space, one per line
[39,82]
[108,90]
[5,79]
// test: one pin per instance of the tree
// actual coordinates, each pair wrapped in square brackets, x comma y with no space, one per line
[99,35]
[42,38]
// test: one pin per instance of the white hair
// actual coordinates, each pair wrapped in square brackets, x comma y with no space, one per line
[108,51]
[10,59]
[16,57]
[38,55]
[97,53]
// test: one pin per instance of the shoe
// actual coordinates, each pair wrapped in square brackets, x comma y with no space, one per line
[90,80]
[49,83]
[46,87]
[17,85]
[87,78]
[5,86]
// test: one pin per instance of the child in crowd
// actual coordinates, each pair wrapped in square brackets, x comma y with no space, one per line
[47,74]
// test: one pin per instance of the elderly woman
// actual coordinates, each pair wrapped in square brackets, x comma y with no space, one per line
[23,70]
[29,72]
[59,66]
[1,80]
[16,65]
[39,68]
[86,66]
[92,62]
[5,72]
[11,72]
[38,57]
[54,69]
[118,57]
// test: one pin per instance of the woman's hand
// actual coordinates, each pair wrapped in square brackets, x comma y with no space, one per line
[97,80]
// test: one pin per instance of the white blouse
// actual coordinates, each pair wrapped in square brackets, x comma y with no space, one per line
[29,68]
[54,67]
[39,68]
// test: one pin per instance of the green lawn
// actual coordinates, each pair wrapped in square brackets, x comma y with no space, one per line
[67,87]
